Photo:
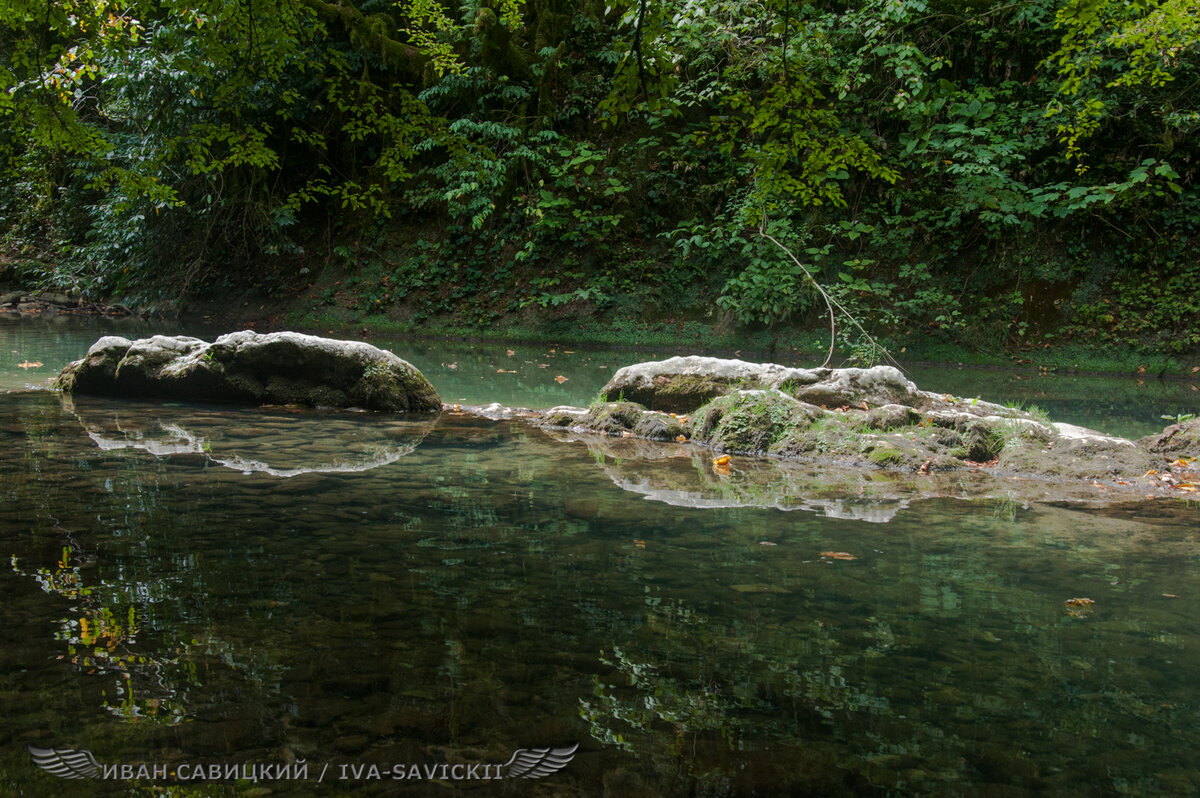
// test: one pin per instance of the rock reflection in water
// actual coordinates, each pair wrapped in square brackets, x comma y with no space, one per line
[495,590]
[682,475]
[277,441]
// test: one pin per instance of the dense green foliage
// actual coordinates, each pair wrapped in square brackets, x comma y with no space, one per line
[992,172]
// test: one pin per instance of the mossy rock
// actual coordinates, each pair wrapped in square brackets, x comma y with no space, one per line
[658,427]
[276,368]
[612,418]
[1177,440]
[751,421]
[672,395]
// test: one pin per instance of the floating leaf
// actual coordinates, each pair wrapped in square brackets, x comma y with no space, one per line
[1170,595]
[29,365]
[839,555]
[1079,607]
[641,544]
[511,352]
[506,371]
[681,439]
[626,434]
[767,543]
[560,379]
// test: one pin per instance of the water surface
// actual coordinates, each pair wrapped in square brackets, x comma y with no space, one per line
[193,586]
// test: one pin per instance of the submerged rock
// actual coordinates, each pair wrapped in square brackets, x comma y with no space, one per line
[250,367]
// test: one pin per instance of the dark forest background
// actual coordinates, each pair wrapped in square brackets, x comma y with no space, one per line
[1000,174]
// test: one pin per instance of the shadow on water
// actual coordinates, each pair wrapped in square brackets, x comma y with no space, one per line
[492,589]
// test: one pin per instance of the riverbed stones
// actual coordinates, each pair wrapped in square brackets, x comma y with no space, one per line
[253,368]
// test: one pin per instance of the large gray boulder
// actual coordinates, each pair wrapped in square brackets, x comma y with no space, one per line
[682,384]
[254,368]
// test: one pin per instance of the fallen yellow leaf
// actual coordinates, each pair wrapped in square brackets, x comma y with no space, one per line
[560,379]
[506,371]
[511,353]
[838,555]
[722,460]
[681,439]
[29,365]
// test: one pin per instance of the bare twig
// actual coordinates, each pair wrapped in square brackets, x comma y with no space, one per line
[830,305]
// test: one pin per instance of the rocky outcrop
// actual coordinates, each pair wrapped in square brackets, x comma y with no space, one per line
[682,384]
[253,368]
[868,417]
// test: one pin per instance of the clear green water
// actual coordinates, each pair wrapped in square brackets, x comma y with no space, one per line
[200,585]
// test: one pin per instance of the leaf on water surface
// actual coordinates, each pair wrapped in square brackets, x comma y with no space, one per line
[1079,607]
[506,371]
[1171,595]
[511,352]
[641,544]
[681,439]
[560,379]
[29,365]
[838,555]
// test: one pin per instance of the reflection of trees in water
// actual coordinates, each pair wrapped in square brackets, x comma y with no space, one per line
[108,638]
[922,697]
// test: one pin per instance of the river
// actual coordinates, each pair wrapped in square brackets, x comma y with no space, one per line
[339,603]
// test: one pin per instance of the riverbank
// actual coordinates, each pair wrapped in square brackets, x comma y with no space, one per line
[686,333]
[691,333]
